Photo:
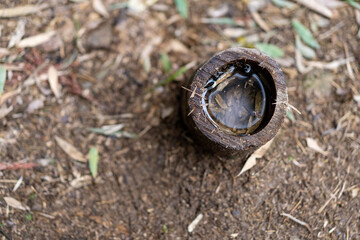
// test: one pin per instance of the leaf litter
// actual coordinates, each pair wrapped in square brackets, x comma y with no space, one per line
[70,150]
[36,40]
[12,202]
[259,153]
[100,8]
[93,161]
[54,81]
[312,143]
[113,131]
[2,79]
[199,41]
[182,7]
[270,50]
[21,10]
[305,34]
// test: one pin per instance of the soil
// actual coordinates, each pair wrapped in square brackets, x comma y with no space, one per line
[154,185]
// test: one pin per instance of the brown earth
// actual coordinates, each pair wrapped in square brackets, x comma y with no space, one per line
[155,185]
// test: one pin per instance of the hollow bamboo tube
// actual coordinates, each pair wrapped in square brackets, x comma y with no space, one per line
[232,147]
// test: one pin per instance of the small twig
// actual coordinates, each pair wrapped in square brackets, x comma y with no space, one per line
[192,92]
[297,221]
[342,190]
[144,131]
[8,181]
[300,145]
[333,195]
[192,110]
[348,65]
[37,81]
[268,226]
[292,210]
[45,215]
[294,108]
[5,234]
[15,166]
[257,18]
[331,31]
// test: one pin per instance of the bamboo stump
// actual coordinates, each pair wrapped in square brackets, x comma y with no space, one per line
[235,103]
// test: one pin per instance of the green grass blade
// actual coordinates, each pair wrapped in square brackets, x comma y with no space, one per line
[117,6]
[290,115]
[305,34]
[165,61]
[354,4]
[2,79]
[182,7]
[270,50]
[93,161]
[173,76]
[306,51]
[225,21]
[283,3]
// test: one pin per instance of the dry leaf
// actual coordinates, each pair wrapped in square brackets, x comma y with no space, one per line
[6,96]
[220,11]
[357,98]
[70,150]
[147,51]
[36,40]
[100,8]
[314,146]
[331,3]
[251,161]
[21,11]
[235,32]
[54,81]
[18,183]
[12,202]
[5,111]
[330,65]
[140,5]
[35,105]
[195,222]
[176,46]
[258,19]
[4,52]
[18,34]
[317,7]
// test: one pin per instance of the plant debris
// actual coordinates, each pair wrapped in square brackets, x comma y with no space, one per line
[76,74]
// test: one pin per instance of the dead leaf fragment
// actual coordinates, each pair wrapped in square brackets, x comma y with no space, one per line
[176,46]
[5,111]
[100,8]
[18,34]
[315,146]
[357,98]
[6,96]
[235,32]
[140,5]
[195,222]
[35,105]
[220,11]
[36,40]
[251,161]
[54,81]
[12,202]
[70,150]
[317,7]
[100,37]
[21,11]
[4,52]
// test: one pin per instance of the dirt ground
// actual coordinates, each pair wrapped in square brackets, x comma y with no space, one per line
[153,179]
